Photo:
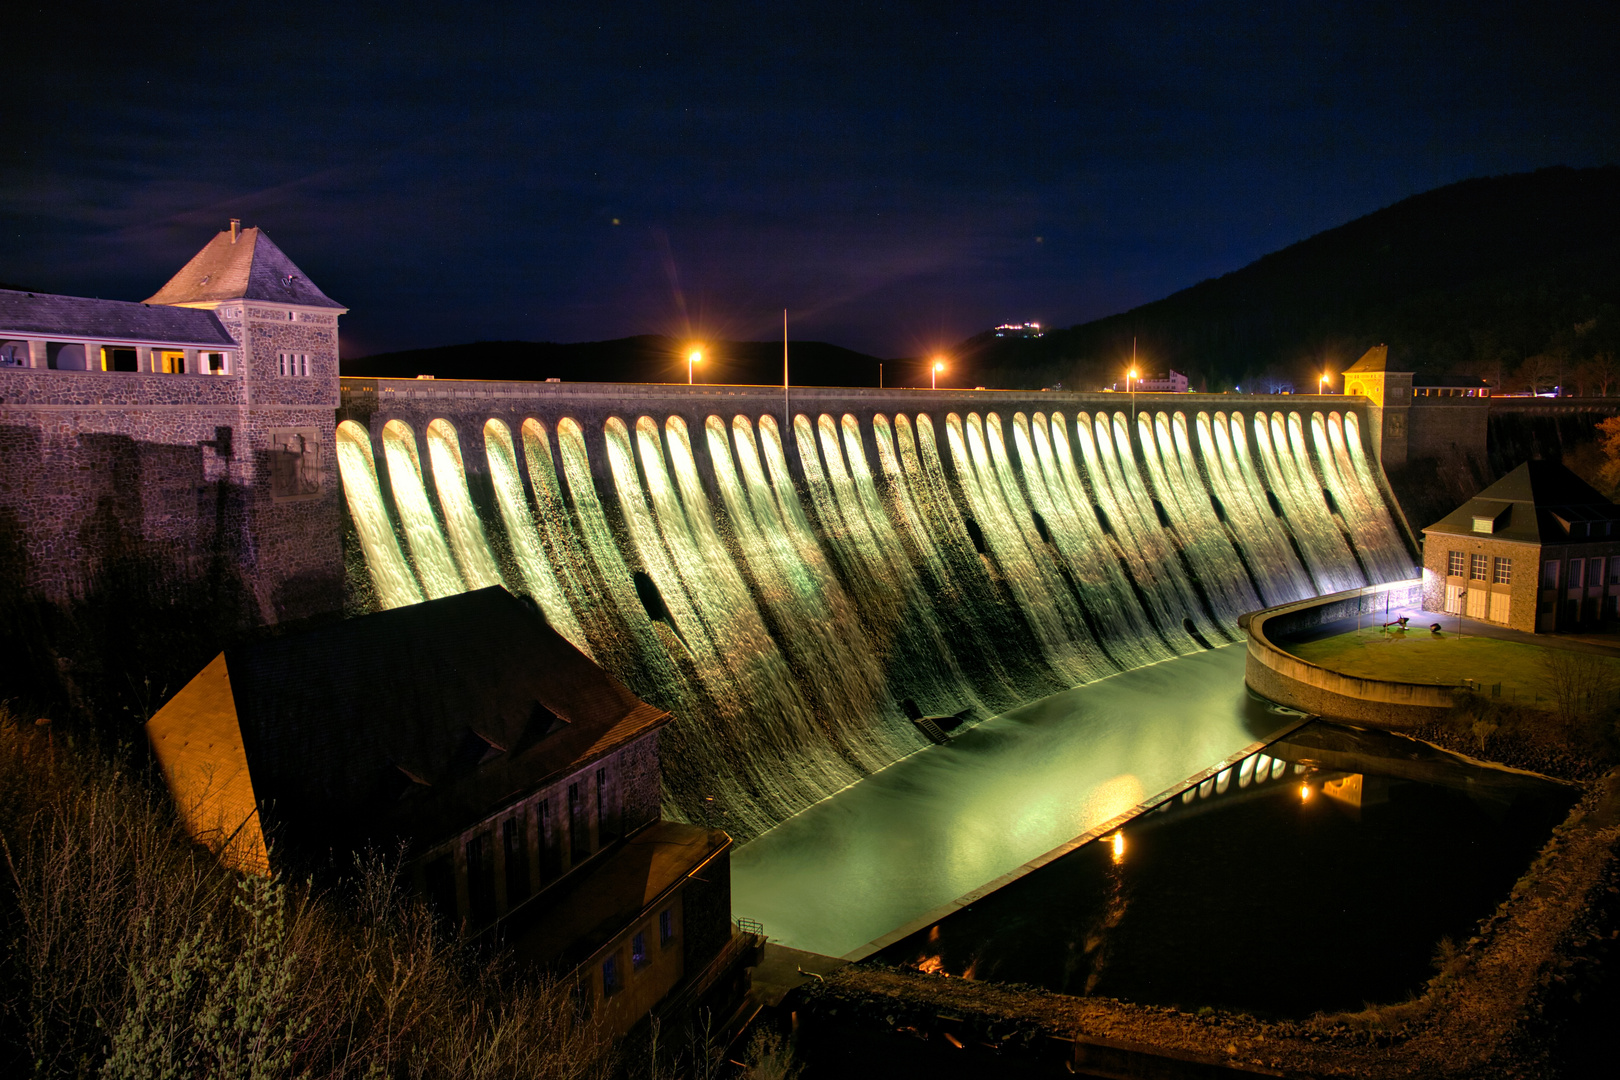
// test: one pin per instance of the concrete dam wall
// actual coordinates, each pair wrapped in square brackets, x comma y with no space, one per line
[784,586]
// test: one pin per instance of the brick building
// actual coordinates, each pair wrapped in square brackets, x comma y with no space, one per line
[1539,551]
[522,780]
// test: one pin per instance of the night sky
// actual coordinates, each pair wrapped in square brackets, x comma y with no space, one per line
[898,176]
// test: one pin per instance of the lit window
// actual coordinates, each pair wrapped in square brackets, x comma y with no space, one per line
[612,979]
[1476,567]
[638,951]
[1454,563]
[666,926]
[1503,574]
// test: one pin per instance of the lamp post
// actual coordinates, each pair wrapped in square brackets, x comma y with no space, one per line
[933,373]
[1129,385]
[1322,382]
[694,357]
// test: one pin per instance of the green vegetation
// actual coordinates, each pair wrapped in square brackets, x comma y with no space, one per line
[1528,674]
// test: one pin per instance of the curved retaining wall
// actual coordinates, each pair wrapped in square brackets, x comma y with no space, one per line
[1280,676]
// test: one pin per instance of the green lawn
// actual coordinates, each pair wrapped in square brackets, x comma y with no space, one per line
[1417,656]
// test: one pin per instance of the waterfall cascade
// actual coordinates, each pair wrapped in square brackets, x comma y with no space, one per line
[781,596]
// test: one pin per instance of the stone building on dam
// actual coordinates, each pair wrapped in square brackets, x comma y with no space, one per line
[780,569]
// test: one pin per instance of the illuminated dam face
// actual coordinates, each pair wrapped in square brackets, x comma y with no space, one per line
[782,592]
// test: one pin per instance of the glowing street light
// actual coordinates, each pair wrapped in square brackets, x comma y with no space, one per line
[1323,381]
[933,374]
[695,357]
[1130,386]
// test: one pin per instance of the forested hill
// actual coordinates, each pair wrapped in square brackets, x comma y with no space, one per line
[647,358]
[1478,276]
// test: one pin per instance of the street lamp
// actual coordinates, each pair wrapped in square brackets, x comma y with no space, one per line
[1323,381]
[695,357]
[933,374]
[1129,375]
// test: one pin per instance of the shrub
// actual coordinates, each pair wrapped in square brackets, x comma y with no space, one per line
[129,952]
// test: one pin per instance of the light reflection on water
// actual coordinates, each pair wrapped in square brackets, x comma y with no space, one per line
[946,821]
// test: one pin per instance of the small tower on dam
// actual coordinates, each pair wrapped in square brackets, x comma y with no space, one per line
[1390,394]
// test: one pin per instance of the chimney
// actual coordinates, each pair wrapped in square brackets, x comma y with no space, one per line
[236,229]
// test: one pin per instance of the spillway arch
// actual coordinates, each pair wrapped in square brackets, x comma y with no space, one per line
[790,595]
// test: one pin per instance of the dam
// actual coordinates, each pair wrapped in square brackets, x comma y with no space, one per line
[787,571]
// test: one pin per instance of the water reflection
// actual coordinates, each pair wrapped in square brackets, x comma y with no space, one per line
[1174,924]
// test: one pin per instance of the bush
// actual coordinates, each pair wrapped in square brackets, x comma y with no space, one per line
[129,952]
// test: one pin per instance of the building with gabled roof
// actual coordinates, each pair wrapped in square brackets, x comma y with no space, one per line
[521,779]
[191,432]
[1539,551]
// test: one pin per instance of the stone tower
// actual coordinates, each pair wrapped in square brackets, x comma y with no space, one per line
[1390,393]
[281,447]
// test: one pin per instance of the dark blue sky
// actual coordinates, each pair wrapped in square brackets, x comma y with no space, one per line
[897,175]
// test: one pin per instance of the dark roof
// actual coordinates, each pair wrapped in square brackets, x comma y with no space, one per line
[241,266]
[1540,502]
[48,315]
[413,723]
[1374,359]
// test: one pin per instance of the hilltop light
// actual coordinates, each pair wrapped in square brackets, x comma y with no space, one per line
[933,374]
[694,357]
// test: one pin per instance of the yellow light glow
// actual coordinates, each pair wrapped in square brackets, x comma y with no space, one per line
[696,357]
[1119,847]
[939,365]
[1304,793]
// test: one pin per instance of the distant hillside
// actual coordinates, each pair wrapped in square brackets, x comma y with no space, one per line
[645,359]
[1478,276]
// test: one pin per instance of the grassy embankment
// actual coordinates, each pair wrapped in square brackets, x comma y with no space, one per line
[128,952]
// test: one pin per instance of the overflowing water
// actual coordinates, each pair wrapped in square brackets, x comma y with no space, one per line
[784,593]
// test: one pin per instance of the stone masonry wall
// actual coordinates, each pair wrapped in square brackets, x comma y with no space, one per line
[148,519]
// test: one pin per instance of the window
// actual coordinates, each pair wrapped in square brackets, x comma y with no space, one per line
[214,362]
[1594,572]
[666,926]
[1454,563]
[169,361]
[1476,567]
[579,824]
[1549,575]
[439,884]
[550,843]
[480,880]
[1577,568]
[1614,570]
[1503,571]
[638,950]
[291,363]
[117,359]
[612,978]
[516,850]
